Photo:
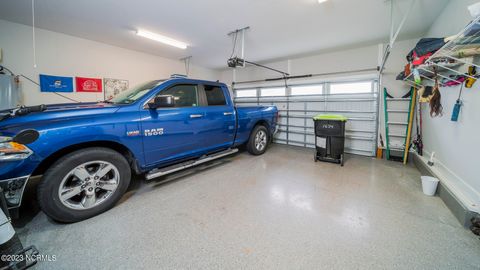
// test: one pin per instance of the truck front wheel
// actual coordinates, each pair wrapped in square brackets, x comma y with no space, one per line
[258,141]
[83,184]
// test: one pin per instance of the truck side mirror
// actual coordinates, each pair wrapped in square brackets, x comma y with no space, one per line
[162,102]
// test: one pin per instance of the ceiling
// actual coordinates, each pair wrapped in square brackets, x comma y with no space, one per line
[278,28]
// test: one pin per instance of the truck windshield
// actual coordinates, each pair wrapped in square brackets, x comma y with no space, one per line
[135,93]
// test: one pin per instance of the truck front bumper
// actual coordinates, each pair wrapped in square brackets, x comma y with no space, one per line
[13,190]
[14,176]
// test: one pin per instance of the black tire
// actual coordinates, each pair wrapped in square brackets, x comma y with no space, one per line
[251,146]
[11,247]
[48,189]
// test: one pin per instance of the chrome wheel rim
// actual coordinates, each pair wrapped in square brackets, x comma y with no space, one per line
[260,140]
[89,185]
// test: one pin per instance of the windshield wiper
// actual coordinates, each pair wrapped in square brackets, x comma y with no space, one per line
[4,116]
[23,110]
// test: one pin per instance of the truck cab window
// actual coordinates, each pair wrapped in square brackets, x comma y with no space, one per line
[185,95]
[215,96]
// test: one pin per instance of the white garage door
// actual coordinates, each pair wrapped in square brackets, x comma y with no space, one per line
[297,104]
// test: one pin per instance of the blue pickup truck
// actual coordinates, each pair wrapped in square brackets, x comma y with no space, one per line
[87,153]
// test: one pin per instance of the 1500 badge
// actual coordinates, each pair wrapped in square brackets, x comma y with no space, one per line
[154,132]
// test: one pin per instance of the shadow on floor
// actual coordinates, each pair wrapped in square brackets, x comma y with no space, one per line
[30,208]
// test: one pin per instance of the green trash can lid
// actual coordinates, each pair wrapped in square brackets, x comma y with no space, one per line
[336,117]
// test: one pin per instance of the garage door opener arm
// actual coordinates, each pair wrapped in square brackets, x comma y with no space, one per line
[236,61]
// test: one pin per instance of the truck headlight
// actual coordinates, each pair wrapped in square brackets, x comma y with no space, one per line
[12,151]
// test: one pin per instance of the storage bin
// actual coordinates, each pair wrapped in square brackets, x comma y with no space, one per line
[329,138]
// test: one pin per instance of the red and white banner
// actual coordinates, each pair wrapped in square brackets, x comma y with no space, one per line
[91,85]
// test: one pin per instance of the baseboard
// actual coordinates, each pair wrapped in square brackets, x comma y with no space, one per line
[461,208]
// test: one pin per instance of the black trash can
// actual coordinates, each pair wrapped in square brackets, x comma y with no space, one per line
[329,138]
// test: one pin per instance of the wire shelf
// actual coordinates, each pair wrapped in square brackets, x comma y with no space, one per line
[462,49]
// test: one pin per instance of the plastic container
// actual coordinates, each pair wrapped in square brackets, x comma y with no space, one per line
[429,185]
[330,125]
[330,137]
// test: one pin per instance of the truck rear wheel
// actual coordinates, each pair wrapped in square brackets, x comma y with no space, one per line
[258,141]
[83,184]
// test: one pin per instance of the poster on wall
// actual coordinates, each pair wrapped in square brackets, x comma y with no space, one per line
[91,85]
[113,87]
[49,83]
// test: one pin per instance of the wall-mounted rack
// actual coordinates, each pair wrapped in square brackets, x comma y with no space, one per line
[463,46]
[461,50]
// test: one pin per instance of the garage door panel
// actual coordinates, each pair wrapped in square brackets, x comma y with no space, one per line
[283,120]
[281,135]
[246,104]
[296,137]
[358,145]
[296,121]
[351,106]
[281,105]
[360,125]
[310,139]
[297,106]
[296,126]
[315,106]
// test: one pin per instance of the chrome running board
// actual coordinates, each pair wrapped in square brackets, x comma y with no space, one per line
[191,163]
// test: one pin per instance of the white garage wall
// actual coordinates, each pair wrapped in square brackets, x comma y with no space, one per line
[64,55]
[456,143]
[355,59]
[339,61]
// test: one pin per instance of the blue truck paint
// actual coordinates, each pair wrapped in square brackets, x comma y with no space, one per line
[155,138]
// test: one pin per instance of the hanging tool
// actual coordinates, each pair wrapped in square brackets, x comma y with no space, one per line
[411,113]
[380,149]
[436,108]
[457,106]
[472,72]
[418,140]
[469,82]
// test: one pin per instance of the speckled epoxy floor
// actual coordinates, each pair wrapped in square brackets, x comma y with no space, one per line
[276,211]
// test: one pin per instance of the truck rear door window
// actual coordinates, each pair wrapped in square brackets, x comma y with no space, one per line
[215,96]
[185,95]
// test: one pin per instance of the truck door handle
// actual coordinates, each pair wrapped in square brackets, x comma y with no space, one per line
[196,115]
[227,113]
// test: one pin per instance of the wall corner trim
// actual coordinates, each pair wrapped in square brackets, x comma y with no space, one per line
[458,196]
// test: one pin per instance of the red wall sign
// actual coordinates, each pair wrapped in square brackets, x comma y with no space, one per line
[91,85]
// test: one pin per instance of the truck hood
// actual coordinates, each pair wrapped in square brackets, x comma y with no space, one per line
[56,113]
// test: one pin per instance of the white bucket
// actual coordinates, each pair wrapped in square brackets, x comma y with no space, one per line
[429,185]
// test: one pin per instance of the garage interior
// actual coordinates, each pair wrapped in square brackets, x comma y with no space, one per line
[286,208]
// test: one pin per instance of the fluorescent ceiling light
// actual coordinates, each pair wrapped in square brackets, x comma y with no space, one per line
[322,1]
[162,39]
